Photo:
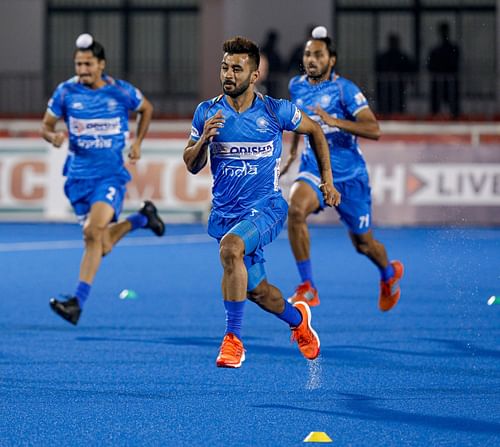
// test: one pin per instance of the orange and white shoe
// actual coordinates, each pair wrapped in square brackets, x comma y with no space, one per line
[232,353]
[304,334]
[389,290]
[305,293]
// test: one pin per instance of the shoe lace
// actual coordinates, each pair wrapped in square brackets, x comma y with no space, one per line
[230,347]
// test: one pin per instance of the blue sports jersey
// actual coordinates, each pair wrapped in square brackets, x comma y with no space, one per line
[97,122]
[341,99]
[245,156]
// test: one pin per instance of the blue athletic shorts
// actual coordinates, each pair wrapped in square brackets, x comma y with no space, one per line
[83,193]
[268,215]
[356,202]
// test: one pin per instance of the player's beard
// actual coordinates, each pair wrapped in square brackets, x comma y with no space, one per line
[87,80]
[237,91]
[323,74]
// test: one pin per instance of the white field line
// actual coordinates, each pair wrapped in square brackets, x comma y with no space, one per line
[131,242]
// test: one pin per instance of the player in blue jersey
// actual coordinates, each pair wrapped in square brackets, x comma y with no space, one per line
[95,108]
[241,131]
[343,112]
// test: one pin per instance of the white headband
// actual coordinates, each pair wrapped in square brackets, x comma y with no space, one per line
[319,32]
[84,41]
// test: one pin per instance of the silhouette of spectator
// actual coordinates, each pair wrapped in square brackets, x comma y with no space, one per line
[393,68]
[294,66]
[263,74]
[443,65]
[275,63]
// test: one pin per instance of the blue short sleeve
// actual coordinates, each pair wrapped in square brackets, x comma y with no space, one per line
[197,123]
[353,98]
[289,115]
[133,97]
[55,105]
[293,87]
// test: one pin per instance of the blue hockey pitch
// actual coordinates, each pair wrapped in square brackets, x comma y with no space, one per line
[142,371]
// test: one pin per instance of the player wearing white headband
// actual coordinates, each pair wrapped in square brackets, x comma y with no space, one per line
[95,109]
[342,110]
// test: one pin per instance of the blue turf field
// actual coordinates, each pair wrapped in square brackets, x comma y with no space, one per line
[142,372]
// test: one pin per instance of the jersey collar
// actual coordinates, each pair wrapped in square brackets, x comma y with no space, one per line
[257,96]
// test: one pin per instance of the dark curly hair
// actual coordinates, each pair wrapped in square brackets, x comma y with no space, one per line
[242,45]
[329,44]
[97,50]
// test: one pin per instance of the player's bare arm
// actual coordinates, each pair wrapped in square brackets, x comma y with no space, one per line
[49,133]
[292,155]
[145,114]
[196,153]
[366,125]
[322,152]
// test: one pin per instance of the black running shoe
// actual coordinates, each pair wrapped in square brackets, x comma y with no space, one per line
[70,310]
[154,220]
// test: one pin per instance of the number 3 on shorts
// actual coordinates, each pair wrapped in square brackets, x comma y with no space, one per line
[111,193]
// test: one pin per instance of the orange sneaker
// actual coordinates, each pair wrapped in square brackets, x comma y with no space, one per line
[305,293]
[232,353]
[389,290]
[305,336]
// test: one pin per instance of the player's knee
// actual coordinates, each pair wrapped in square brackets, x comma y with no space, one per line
[231,250]
[92,233]
[296,213]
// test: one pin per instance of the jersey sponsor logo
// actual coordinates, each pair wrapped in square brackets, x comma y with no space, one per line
[297,116]
[242,150]
[246,168]
[94,127]
[325,127]
[327,130]
[95,143]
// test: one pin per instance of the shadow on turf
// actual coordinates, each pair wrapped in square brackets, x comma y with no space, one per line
[285,350]
[355,355]
[364,408]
